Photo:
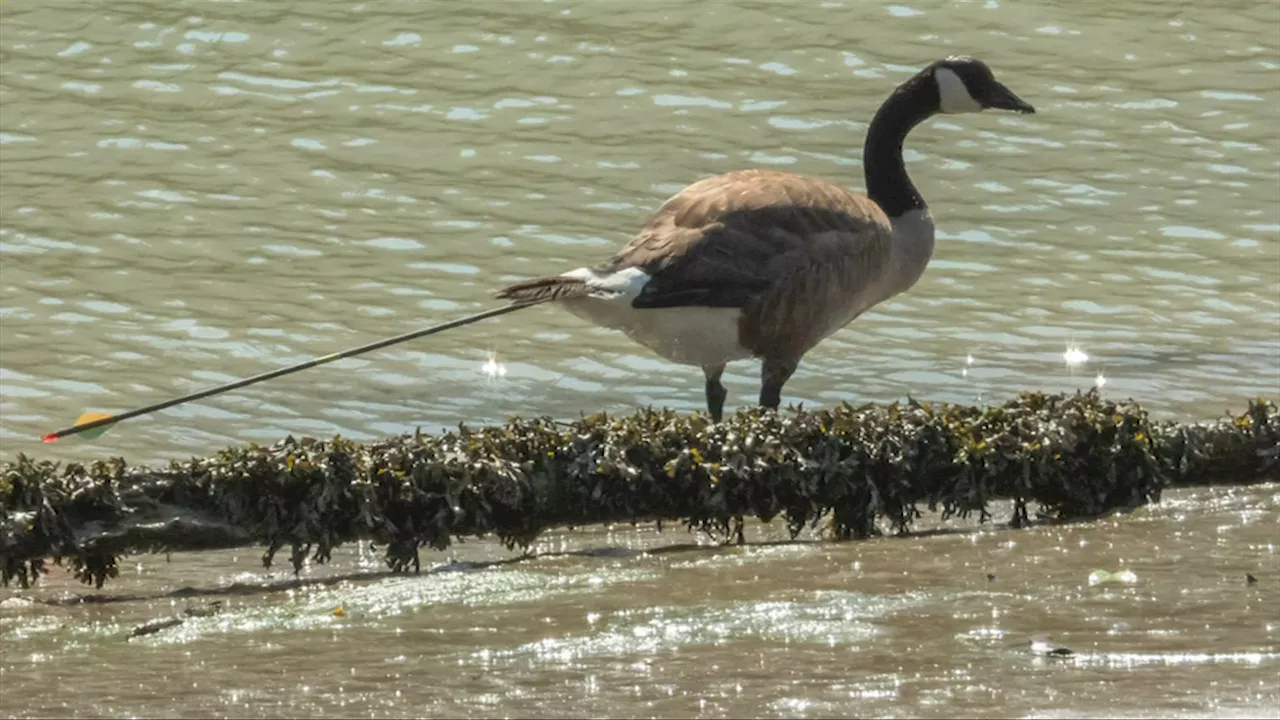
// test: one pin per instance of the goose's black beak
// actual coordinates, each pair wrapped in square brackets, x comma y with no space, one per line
[1002,98]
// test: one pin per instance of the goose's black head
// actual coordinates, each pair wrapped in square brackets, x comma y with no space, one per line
[966,84]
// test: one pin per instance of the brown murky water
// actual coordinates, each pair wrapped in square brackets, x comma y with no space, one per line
[193,192]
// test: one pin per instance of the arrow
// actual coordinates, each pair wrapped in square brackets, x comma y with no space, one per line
[88,423]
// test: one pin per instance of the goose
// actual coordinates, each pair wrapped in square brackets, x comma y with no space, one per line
[764,264]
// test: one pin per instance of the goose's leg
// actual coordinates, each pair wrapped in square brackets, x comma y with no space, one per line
[715,391]
[715,405]
[773,375]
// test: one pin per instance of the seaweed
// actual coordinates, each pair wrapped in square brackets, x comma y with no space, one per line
[859,468]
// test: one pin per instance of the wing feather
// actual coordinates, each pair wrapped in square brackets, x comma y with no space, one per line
[730,239]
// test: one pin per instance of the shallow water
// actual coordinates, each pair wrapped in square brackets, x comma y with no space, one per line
[195,192]
[623,622]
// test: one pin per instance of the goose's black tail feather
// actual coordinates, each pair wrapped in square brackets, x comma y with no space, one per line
[544,289]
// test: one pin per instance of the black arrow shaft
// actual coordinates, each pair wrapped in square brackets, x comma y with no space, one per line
[280,372]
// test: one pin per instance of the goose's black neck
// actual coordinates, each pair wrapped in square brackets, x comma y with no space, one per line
[886,174]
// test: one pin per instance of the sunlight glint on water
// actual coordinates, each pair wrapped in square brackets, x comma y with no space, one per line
[199,192]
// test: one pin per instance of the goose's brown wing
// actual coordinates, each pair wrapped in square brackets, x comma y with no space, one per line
[794,253]
[732,239]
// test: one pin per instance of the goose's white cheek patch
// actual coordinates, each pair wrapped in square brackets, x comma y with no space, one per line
[953,96]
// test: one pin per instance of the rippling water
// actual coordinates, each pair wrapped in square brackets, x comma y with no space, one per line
[624,623]
[194,192]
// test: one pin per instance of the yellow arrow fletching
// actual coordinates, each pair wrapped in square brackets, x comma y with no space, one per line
[90,417]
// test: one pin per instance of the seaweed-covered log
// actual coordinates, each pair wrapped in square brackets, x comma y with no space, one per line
[1074,456]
